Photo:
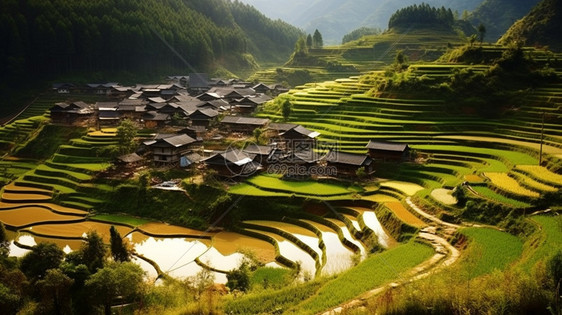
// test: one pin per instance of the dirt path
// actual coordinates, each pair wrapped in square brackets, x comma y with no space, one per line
[445,255]
[429,216]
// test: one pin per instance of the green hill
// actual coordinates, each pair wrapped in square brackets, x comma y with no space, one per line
[47,39]
[498,15]
[542,26]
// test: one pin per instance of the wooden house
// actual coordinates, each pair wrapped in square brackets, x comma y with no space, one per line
[202,117]
[262,153]
[71,113]
[386,151]
[261,88]
[243,124]
[154,119]
[233,163]
[63,88]
[198,83]
[249,104]
[129,160]
[347,164]
[168,149]
[195,131]
[298,138]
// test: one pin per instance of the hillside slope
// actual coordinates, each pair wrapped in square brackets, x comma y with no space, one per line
[335,18]
[50,38]
[542,26]
[498,15]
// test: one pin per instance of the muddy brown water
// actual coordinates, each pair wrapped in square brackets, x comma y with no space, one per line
[77,230]
[33,215]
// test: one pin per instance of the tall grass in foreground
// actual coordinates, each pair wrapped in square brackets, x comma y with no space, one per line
[371,273]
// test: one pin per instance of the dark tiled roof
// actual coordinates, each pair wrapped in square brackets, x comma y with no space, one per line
[130,158]
[259,149]
[230,157]
[348,158]
[198,80]
[174,140]
[387,146]
[239,120]
[281,126]
[106,104]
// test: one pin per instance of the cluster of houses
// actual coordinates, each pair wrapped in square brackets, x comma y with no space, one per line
[194,104]
[193,100]
[291,152]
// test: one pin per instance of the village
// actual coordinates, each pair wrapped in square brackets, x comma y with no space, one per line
[208,124]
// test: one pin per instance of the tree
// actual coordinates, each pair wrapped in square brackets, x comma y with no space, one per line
[93,252]
[42,257]
[258,132]
[300,47]
[119,250]
[239,279]
[4,242]
[116,279]
[482,32]
[400,61]
[126,133]
[472,39]
[203,280]
[309,41]
[286,108]
[55,291]
[317,41]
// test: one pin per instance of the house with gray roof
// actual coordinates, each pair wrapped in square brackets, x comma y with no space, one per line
[168,149]
[243,124]
[388,151]
[347,164]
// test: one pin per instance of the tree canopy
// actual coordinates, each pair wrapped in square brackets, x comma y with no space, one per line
[55,37]
[421,15]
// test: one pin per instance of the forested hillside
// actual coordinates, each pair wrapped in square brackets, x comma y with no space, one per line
[542,26]
[498,15]
[46,39]
[335,18]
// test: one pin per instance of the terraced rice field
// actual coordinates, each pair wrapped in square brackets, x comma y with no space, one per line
[506,183]
[443,196]
[489,194]
[27,216]
[493,249]
[404,215]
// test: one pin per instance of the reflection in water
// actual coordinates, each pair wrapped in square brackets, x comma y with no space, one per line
[304,235]
[175,256]
[371,221]
[228,243]
[338,256]
[213,258]
[293,252]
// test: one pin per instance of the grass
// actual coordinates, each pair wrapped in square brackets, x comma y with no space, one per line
[374,271]
[513,157]
[407,188]
[299,187]
[490,249]
[546,243]
[492,195]
[249,190]
[270,277]
[272,301]
[542,173]
[504,182]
